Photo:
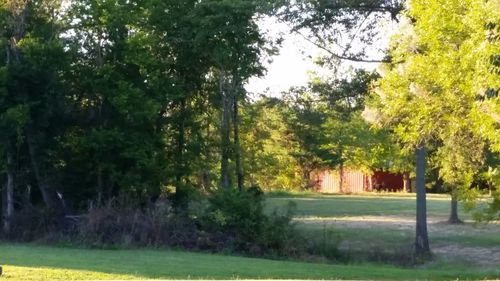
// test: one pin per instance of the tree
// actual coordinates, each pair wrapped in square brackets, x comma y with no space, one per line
[304,117]
[325,119]
[429,94]
[33,91]
[344,29]
[269,147]
[229,38]
[115,138]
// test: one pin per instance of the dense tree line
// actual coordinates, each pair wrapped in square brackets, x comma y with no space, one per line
[132,98]
[121,98]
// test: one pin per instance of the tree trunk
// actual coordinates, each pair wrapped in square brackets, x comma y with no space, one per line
[206,178]
[422,249]
[181,194]
[306,176]
[406,182]
[9,196]
[100,187]
[181,143]
[49,194]
[454,219]
[225,179]
[341,177]
[237,148]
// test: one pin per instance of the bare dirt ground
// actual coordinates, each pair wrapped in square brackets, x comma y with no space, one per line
[439,225]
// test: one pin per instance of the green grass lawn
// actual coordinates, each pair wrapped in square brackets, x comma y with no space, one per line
[29,262]
[399,204]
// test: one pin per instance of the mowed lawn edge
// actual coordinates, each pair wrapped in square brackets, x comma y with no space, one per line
[167,264]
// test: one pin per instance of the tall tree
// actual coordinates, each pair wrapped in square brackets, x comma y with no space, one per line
[116,137]
[229,37]
[430,92]
[422,248]
[34,61]
[325,119]
[269,146]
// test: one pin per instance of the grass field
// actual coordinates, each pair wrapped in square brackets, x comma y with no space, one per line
[363,223]
[383,204]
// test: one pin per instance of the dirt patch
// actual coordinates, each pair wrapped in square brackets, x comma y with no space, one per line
[394,222]
[435,224]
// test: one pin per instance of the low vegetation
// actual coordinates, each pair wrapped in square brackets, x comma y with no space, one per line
[229,221]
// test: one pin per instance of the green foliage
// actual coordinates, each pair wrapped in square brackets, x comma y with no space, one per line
[436,91]
[269,148]
[238,219]
[327,121]
[315,127]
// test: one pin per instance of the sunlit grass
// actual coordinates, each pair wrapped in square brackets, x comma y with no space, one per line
[312,195]
[372,204]
[354,205]
[375,219]
[42,273]
[27,262]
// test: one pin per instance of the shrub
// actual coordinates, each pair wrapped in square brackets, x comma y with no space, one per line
[126,226]
[327,245]
[226,220]
[236,219]
[31,224]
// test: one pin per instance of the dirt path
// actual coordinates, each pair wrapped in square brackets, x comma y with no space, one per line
[435,224]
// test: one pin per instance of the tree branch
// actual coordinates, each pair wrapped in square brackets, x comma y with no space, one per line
[341,57]
[370,7]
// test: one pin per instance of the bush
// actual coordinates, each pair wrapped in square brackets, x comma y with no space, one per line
[31,224]
[226,220]
[327,245]
[154,225]
[238,215]
[236,220]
